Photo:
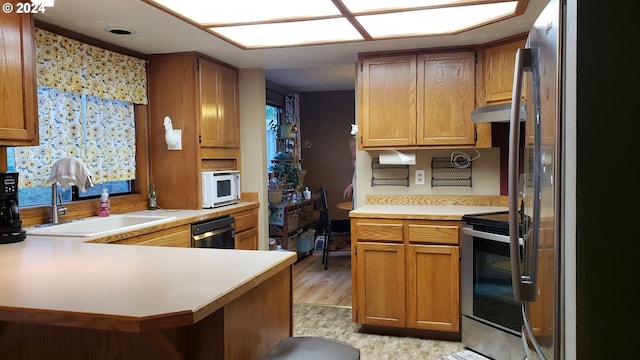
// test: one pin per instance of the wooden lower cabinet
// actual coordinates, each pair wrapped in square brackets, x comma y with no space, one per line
[246,229]
[245,226]
[381,284]
[406,273]
[433,287]
[247,240]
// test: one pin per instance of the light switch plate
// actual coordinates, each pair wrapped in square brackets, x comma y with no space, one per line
[419,177]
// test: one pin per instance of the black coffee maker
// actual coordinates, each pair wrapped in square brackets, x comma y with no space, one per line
[10,223]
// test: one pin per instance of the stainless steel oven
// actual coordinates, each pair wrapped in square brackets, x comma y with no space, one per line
[491,317]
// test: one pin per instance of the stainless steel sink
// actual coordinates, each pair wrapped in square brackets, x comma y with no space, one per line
[99,226]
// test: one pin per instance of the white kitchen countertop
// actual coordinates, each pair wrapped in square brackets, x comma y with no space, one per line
[426,212]
[180,217]
[64,281]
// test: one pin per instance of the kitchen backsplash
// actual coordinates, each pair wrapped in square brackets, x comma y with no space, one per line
[485,174]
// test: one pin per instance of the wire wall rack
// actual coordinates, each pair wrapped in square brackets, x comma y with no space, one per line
[445,173]
[389,175]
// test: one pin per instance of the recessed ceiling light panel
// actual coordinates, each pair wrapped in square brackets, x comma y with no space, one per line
[281,23]
[433,21]
[290,33]
[360,6]
[245,11]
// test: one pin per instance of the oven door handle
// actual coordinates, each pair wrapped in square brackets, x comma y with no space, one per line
[489,236]
[486,235]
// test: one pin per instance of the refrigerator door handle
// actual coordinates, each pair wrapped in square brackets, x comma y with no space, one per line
[523,286]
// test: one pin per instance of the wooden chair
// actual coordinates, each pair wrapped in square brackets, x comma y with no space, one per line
[326,227]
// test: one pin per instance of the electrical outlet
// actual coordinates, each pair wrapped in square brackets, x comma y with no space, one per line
[419,177]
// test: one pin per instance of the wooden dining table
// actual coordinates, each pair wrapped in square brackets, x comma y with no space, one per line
[347,205]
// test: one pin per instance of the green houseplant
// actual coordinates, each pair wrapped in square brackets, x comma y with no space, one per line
[287,174]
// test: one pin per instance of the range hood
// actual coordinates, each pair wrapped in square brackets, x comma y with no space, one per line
[497,113]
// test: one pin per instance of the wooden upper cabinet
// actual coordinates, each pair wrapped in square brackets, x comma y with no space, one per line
[220,124]
[18,100]
[446,84]
[388,107]
[417,100]
[499,61]
[201,98]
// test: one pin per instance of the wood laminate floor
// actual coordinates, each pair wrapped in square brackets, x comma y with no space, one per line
[314,285]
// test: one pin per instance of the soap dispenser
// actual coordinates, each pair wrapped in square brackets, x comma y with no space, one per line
[104,203]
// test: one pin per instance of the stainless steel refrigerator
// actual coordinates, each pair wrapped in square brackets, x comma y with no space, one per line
[535,193]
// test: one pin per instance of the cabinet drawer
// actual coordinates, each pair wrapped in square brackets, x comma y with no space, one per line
[388,231]
[245,220]
[434,234]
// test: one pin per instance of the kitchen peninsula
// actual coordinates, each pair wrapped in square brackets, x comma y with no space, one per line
[64,298]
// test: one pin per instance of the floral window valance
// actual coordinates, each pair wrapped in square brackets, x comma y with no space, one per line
[100,132]
[69,65]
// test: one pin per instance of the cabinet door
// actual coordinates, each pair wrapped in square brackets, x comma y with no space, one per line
[247,240]
[499,62]
[229,107]
[433,287]
[446,84]
[387,97]
[219,121]
[18,103]
[380,284]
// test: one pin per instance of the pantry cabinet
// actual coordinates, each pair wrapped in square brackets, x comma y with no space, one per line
[200,96]
[18,103]
[420,100]
[406,273]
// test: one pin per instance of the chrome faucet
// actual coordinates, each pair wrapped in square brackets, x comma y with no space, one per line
[56,209]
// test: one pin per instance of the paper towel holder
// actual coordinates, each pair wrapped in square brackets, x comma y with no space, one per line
[395,157]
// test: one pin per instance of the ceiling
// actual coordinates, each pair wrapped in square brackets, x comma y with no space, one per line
[301,69]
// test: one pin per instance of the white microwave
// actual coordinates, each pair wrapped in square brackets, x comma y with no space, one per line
[220,188]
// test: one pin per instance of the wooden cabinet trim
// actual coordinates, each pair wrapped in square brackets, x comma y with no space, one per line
[179,236]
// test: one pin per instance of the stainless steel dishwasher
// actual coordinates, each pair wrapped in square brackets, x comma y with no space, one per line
[216,233]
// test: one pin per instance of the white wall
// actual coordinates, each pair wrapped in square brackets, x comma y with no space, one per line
[253,143]
[485,175]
